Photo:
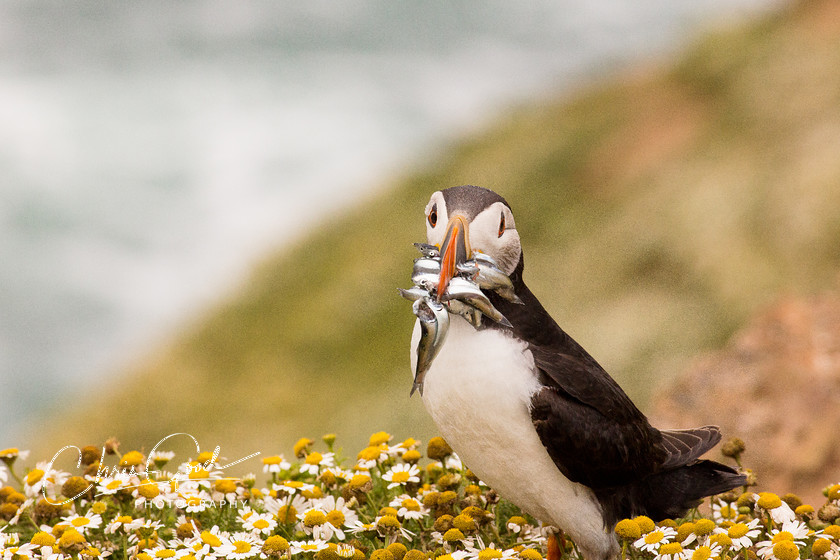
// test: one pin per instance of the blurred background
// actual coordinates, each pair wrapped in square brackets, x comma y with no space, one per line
[206,207]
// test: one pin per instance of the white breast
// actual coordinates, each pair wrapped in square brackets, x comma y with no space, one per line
[478,392]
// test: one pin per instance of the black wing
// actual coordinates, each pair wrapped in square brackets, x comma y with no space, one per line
[591,429]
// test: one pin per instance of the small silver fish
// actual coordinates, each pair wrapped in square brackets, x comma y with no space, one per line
[467,292]
[426,280]
[427,264]
[491,278]
[468,312]
[468,269]
[434,325]
[428,250]
[480,257]
[414,293]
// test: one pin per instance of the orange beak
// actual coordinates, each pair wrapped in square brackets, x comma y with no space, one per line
[454,249]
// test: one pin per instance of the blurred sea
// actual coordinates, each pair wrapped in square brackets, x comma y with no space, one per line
[151,151]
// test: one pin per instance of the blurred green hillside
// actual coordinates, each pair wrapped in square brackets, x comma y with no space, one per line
[658,211]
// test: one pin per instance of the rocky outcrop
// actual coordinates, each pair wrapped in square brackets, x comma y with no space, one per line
[777,387]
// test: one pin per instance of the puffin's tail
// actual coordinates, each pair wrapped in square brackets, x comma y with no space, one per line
[679,486]
[669,494]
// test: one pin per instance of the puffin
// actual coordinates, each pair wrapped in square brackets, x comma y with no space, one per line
[534,416]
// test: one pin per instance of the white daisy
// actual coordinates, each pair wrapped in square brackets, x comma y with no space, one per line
[401,474]
[724,511]
[651,542]
[292,486]
[296,547]
[259,523]
[489,553]
[794,531]
[314,462]
[241,545]
[408,507]
[704,551]
[123,523]
[275,464]
[743,535]
[338,514]
[82,523]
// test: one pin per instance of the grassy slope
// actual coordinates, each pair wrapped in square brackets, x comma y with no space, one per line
[657,212]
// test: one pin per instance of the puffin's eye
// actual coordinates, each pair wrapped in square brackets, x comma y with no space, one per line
[502,225]
[433,215]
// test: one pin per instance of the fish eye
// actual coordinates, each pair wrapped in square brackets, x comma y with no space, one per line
[502,225]
[433,215]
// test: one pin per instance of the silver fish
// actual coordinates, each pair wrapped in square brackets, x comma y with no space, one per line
[491,278]
[468,312]
[414,293]
[427,264]
[426,280]
[434,325]
[468,269]
[428,250]
[480,257]
[467,292]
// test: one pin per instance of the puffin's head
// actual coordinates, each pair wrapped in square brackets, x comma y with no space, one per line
[460,220]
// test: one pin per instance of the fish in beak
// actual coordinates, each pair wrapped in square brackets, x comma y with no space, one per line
[454,250]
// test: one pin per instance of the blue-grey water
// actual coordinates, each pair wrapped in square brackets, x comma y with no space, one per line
[151,151]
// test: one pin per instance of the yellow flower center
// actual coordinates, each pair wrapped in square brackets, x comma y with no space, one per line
[654,537]
[335,518]
[132,459]
[314,458]
[34,476]
[703,527]
[80,521]
[782,536]
[241,546]
[379,438]
[400,476]
[369,453]
[226,485]
[411,504]
[164,553]
[148,489]
[786,550]
[99,507]
[626,529]
[42,539]
[261,524]
[670,548]
[721,539]
[114,484]
[728,512]
[309,546]
[769,500]
[832,531]
[10,452]
[489,554]
[301,445]
[209,538]
[273,460]
[821,546]
[124,519]
[314,517]
[293,484]
[701,553]
[199,473]
[738,530]
[645,523]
